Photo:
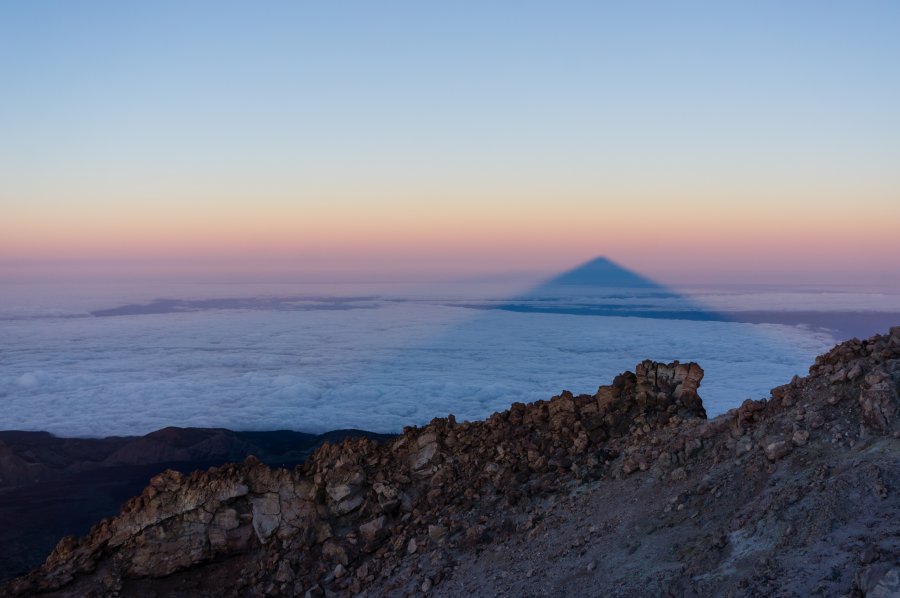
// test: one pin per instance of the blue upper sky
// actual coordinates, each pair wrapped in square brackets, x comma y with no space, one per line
[501,73]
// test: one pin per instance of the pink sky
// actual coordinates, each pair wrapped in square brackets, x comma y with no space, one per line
[690,240]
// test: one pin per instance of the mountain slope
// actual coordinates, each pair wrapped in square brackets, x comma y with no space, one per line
[628,491]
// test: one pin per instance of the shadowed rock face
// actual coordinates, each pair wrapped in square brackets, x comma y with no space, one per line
[51,487]
[635,474]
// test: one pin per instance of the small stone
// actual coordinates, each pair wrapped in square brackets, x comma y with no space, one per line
[436,532]
[314,592]
[374,530]
[776,449]
[348,504]
[335,552]
[744,445]
[629,466]
[591,566]
[424,456]
[800,437]
[339,571]
[869,554]
[266,516]
[838,376]
[284,574]
[426,585]
[426,439]
[412,547]
[678,474]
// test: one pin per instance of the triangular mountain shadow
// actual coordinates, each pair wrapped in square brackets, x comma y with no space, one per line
[624,294]
[600,272]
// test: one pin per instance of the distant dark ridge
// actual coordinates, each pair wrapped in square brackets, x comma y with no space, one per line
[170,306]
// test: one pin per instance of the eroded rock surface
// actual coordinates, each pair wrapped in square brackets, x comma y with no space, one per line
[630,491]
[51,487]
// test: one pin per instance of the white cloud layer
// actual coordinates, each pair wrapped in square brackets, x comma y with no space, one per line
[379,368]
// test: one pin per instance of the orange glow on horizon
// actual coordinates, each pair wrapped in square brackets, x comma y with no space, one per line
[475,235]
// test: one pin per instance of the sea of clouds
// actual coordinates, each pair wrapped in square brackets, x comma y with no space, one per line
[315,362]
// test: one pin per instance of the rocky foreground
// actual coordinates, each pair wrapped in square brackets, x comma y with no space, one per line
[52,487]
[630,491]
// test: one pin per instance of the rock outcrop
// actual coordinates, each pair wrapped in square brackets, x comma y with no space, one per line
[627,491]
[51,487]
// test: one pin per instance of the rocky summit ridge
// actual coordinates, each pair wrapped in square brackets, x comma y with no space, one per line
[630,491]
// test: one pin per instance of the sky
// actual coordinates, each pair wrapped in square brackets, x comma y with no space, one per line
[690,141]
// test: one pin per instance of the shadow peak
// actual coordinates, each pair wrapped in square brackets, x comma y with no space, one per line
[601,272]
